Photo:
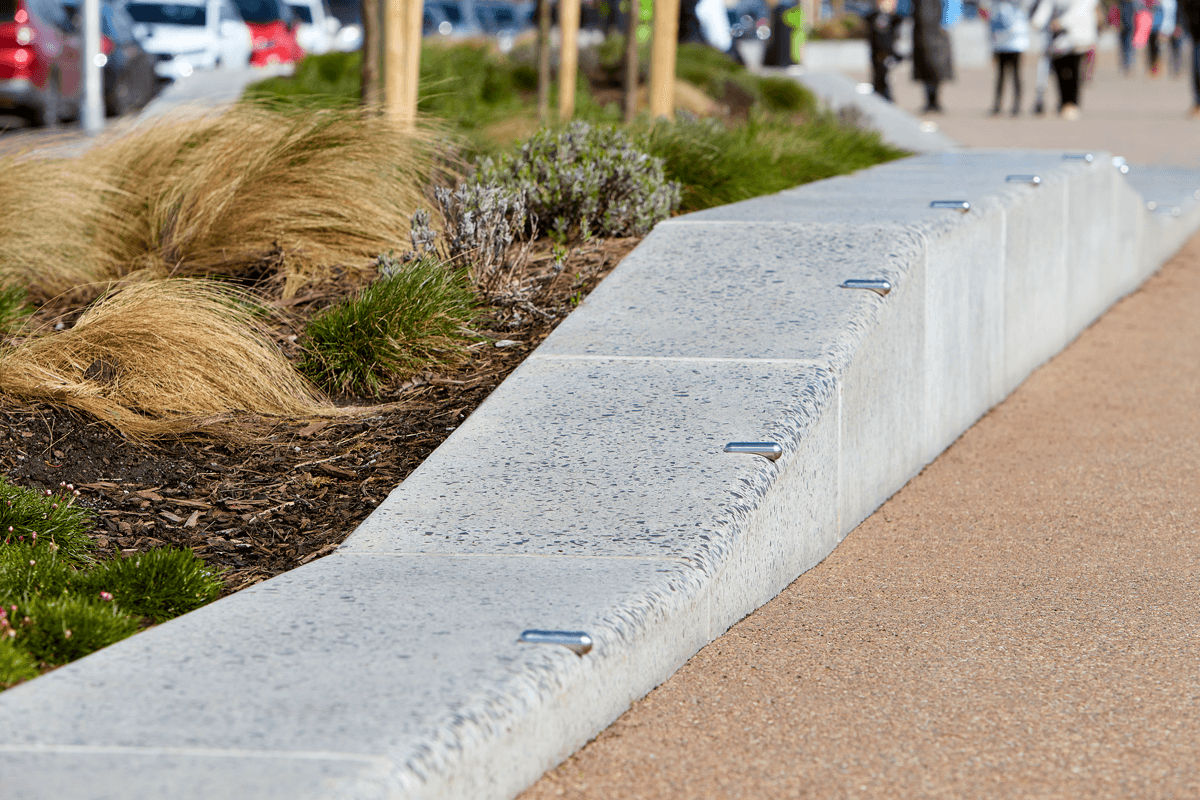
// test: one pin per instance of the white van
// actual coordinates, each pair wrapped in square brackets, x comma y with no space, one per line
[190,35]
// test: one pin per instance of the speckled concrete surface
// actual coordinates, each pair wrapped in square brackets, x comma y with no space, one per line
[1019,621]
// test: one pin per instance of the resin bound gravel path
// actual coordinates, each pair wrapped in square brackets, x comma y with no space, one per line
[1020,620]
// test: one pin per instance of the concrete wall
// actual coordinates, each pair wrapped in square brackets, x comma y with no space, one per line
[590,492]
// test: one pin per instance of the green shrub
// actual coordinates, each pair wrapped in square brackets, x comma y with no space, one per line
[331,80]
[785,94]
[718,164]
[159,584]
[67,627]
[584,180]
[28,570]
[16,664]
[13,308]
[411,317]
[45,519]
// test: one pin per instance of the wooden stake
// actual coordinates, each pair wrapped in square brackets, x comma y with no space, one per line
[543,46]
[662,59]
[568,65]
[402,59]
[631,60]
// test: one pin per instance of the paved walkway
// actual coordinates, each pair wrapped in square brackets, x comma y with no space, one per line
[1141,118]
[1020,620]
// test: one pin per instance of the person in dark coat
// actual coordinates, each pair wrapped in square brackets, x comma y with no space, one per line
[1189,12]
[883,29]
[932,59]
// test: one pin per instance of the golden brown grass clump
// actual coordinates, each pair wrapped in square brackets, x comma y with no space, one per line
[159,358]
[252,192]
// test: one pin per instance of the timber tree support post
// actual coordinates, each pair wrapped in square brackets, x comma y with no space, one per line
[568,27]
[662,59]
[402,59]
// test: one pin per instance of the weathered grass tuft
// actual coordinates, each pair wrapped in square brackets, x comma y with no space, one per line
[160,358]
[411,317]
[255,192]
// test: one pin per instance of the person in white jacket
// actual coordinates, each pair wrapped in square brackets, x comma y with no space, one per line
[1071,26]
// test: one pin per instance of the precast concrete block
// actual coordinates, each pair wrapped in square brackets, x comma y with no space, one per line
[1127,221]
[614,457]
[1091,245]
[358,676]
[713,290]
[1035,281]
[883,402]
[964,328]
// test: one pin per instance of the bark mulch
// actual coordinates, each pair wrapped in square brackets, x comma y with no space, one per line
[256,507]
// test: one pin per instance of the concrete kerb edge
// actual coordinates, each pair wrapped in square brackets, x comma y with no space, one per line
[855,425]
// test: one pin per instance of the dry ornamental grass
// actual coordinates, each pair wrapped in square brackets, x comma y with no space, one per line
[162,357]
[251,192]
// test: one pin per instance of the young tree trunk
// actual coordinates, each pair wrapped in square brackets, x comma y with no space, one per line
[371,92]
[543,45]
[631,60]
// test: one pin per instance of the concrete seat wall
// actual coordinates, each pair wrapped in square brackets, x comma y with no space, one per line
[590,492]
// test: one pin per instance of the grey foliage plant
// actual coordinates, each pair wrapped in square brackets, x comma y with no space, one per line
[585,180]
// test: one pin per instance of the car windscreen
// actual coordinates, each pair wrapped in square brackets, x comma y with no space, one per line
[303,13]
[8,10]
[166,14]
[260,12]
[452,12]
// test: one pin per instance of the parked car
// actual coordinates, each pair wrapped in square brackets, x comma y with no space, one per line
[40,55]
[190,35]
[272,32]
[128,74]
[316,27]
[750,20]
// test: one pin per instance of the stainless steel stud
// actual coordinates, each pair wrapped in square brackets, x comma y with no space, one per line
[1088,157]
[771,450]
[577,641]
[877,285]
[1033,180]
[954,205]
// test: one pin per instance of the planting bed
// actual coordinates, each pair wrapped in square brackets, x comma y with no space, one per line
[289,493]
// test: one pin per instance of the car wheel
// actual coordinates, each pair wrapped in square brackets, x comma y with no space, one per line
[47,115]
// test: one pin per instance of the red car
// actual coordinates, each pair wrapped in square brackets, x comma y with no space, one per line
[40,55]
[272,32]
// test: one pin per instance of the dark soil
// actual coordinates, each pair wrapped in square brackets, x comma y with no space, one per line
[258,506]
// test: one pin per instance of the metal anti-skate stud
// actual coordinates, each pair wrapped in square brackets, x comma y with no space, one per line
[953,205]
[877,285]
[771,450]
[577,641]
[1032,180]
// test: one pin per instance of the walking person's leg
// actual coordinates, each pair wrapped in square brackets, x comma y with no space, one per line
[1126,9]
[1016,71]
[999,59]
[1042,80]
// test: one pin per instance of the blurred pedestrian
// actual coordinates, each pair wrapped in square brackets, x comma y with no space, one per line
[933,61]
[1071,26]
[1189,11]
[1126,14]
[1008,22]
[883,29]
[1152,45]
[1172,31]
